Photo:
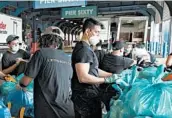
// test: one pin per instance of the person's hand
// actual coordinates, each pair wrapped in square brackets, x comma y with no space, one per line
[122,83]
[18,87]
[9,78]
[18,60]
[113,78]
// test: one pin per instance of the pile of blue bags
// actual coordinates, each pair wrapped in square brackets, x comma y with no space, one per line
[147,95]
[4,111]
[18,98]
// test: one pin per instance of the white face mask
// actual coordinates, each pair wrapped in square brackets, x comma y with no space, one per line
[94,40]
[15,48]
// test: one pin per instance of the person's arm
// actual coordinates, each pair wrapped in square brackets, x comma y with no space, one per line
[82,70]
[11,68]
[23,60]
[83,58]
[2,74]
[169,61]
[104,73]
[25,81]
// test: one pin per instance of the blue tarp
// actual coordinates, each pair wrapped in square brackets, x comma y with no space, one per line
[148,96]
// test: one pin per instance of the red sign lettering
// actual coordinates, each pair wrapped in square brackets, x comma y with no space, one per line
[2,25]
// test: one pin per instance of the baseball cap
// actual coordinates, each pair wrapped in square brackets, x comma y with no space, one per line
[11,38]
[117,45]
[53,30]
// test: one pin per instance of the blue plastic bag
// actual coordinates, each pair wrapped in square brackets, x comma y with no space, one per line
[4,111]
[137,86]
[150,72]
[144,99]
[130,75]
[153,100]
[19,99]
[29,111]
[6,87]
[119,110]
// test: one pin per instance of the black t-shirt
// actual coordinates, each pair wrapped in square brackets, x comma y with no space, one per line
[128,55]
[52,73]
[9,59]
[82,53]
[115,64]
[100,55]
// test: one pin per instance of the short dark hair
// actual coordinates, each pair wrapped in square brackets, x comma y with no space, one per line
[90,23]
[47,40]
[117,45]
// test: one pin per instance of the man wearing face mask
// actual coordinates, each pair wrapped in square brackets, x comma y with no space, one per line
[114,63]
[86,93]
[14,56]
[128,51]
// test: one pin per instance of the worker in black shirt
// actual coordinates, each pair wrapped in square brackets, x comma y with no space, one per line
[14,57]
[52,72]
[99,53]
[87,76]
[114,63]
